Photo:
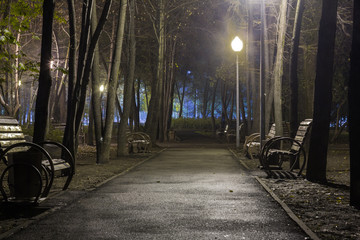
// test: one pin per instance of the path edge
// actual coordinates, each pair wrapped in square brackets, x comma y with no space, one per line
[288,211]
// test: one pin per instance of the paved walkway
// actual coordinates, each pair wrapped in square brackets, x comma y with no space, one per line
[183,193]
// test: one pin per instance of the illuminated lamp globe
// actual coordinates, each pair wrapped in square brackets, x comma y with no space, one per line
[237,44]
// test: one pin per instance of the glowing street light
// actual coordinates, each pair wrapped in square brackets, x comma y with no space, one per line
[237,46]
[101,88]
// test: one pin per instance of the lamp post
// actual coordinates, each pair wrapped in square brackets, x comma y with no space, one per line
[262,74]
[237,46]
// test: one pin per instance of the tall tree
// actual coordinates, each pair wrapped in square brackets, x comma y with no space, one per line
[294,67]
[42,100]
[128,83]
[316,169]
[17,20]
[104,135]
[153,119]
[278,69]
[96,94]
[354,110]
[77,91]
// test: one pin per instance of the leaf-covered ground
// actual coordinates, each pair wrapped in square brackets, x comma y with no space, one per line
[325,209]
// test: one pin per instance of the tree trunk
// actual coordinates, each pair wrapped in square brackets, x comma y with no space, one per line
[68,139]
[181,96]
[278,69]
[293,68]
[354,110]
[137,106]
[60,100]
[168,91]
[105,140]
[316,170]
[96,94]
[42,100]
[81,91]
[194,113]
[90,130]
[205,98]
[152,123]
[250,68]
[128,85]
[213,106]
[77,94]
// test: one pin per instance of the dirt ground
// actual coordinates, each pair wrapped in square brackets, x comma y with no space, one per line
[323,208]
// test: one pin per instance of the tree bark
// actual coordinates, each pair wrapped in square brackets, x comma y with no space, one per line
[42,100]
[316,169]
[293,68]
[278,69]
[213,106]
[112,86]
[129,83]
[354,110]
[152,122]
[250,68]
[68,139]
[96,94]
[168,91]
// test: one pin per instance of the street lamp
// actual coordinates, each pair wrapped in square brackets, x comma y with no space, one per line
[237,46]
[262,74]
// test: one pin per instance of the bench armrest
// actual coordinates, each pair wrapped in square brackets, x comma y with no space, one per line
[271,147]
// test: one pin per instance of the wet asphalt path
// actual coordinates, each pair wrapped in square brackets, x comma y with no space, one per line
[183,193]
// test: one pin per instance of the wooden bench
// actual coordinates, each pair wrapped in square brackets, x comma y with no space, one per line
[276,152]
[252,142]
[138,142]
[27,161]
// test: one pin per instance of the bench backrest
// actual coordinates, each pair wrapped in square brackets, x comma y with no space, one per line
[272,132]
[301,134]
[286,130]
[10,132]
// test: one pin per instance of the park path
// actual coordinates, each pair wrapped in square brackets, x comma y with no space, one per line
[183,193]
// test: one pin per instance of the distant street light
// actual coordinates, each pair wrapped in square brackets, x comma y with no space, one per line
[237,46]
[101,88]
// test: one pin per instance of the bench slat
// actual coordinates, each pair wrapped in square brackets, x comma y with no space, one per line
[7,143]
[59,164]
[8,120]
[5,136]
[10,128]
